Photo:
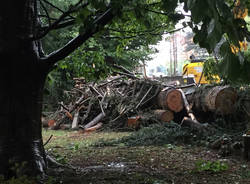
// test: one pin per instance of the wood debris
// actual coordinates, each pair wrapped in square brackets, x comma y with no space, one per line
[125,101]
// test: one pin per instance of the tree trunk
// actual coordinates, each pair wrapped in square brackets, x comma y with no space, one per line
[20,115]
[171,99]
[22,80]
[218,99]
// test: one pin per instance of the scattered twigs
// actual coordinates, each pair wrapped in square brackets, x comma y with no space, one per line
[144,97]
[153,96]
[187,106]
[123,69]
[63,106]
[88,111]
[95,90]
[48,140]
[78,102]
[127,74]
[112,80]
[101,103]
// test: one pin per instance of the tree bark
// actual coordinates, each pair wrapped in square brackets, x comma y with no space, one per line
[217,99]
[23,71]
[22,80]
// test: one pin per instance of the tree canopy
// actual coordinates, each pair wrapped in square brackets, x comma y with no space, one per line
[134,25]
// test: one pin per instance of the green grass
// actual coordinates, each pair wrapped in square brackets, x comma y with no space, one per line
[69,138]
[145,161]
[64,145]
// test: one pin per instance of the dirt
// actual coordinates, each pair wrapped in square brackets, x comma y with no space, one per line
[184,164]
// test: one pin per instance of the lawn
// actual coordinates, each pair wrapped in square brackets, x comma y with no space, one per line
[88,159]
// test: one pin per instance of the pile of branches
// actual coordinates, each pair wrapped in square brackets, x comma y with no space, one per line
[126,102]
[119,102]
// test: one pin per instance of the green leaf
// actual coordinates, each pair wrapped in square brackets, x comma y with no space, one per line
[199,10]
[170,5]
[214,33]
[230,67]
[224,10]
[191,4]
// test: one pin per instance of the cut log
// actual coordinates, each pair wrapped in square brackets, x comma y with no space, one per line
[219,99]
[134,122]
[75,120]
[164,115]
[51,122]
[170,99]
[94,121]
[91,129]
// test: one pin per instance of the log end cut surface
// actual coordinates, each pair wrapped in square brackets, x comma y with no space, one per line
[171,99]
[174,101]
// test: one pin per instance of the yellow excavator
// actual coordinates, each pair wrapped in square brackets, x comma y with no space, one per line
[193,72]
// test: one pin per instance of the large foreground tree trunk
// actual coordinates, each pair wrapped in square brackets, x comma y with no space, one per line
[22,75]
[21,81]
[20,113]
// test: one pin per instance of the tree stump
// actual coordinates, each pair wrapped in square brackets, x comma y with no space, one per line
[170,99]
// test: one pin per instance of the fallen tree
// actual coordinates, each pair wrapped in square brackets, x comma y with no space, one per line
[217,99]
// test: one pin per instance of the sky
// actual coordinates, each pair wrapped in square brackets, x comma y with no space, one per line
[163,56]
[160,58]
[163,47]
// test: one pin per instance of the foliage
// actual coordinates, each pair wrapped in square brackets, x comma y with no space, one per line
[126,40]
[233,72]
[244,171]
[195,48]
[211,70]
[213,20]
[156,135]
[214,166]
[140,23]
[58,81]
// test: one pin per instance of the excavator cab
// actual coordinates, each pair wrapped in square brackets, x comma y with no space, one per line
[193,72]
